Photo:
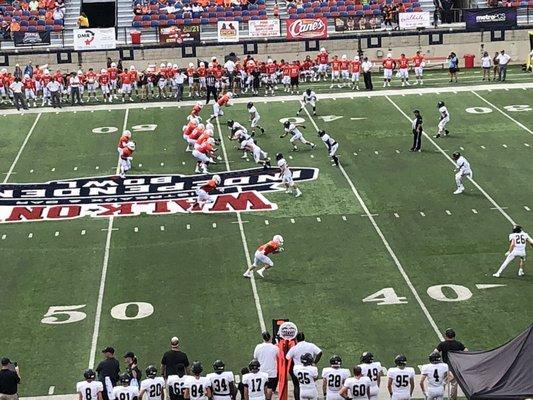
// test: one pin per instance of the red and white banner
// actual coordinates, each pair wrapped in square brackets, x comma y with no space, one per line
[264,28]
[307,28]
[228,31]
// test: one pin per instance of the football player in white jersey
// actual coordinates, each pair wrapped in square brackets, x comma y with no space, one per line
[309,98]
[89,389]
[125,391]
[153,385]
[222,382]
[307,374]
[260,156]
[295,135]
[401,379]
[462,171]
[518,241]
[444,118]
[437,375]
[331,145]
[333,378]
[373,370]
[358,387]
[198,386]
[255,382]
[286,176]
[254,118]
[177,384]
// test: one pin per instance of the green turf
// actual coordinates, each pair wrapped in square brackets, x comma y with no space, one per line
[190,270]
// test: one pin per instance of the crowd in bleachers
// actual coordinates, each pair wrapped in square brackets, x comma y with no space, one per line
[30,16]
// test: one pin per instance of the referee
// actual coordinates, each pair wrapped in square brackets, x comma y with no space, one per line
[210,82]
[417,131]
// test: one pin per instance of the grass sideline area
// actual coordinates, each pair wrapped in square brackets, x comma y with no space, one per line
[384,228]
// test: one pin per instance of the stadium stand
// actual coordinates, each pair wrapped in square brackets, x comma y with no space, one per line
[31,16]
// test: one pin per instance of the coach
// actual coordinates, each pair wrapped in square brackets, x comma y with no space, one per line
[417,131]
[108,371]
[18,98]
[267,355]
[172,358]
[74,82]
[211,82]
[444,347]
[9,380]
[54,87]
[367,73]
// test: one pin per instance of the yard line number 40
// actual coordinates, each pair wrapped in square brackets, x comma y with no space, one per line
[58,315]
[446,292]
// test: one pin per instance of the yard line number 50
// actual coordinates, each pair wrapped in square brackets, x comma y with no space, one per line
[58,315]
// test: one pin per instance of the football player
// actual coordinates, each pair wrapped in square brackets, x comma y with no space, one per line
[436,374]
[113,80]
[309,98]
[404,70]
[204,155]
[371,369]
[518,241]
[198,385]
[223,100]
[295,135]
[124,390]
[286,176]
[333,378]
[307,374]
[401,381]
[90,388]
[153,385]
[255,382]
[124,139]
[444,118]
[463,170]
[177,388]
[126,156]
[388,66]
[260,156]
[274,246]
[254,118]
[222,382]
[358,387]
[202,194]
[331,145]
[335,71]
[418,61]
[322,62]
[356,70]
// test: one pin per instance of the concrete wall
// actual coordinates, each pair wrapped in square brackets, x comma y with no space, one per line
[516,44]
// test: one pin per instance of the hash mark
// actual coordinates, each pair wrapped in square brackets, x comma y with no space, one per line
[53,169]
[75,168]
[462,148]
[504,145]
[51,389]
[527,208]
[312,156]
[162,227]
[396,215]
[30,235]
[140,165]
[397,151]
[31,171]
[162,164]
[318,219]
[97,167]
[403,94]
[4,236]
[422,214]
[290,157]
[183,163]
[354,153]
[344,217]
[483,147]
[376,152]
[266,222]
[448,212]
[292,221]
[188,226]
[214,225]
[474,210]
[136,229]
[526,144]
[83,232]
[56,234]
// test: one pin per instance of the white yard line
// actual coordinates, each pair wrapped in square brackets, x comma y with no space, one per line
[385,243]
[244,241]
[105,263]
[243,100]
[428,137]
[521,125]
[14,163]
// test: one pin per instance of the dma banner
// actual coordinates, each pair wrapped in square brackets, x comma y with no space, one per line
[264,28]
[490,18]
[94,39]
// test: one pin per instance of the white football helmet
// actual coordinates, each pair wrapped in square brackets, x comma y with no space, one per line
[3,70]
[389,55]
[113,65]
[323,50]
[202,64]
[356,58]
[211,141]
[270,61]
[217,179]
[132,67]
[162,65]
[209,125]
[210,65]
[175,66]
[201,127]
[343,57]
[127,133]
[103,71]
[191,65]
[278,239]
[80,72]
[130,145]
[213,58]
[169,64]
[230,95]
[26,76]
[209,131]
[199,104]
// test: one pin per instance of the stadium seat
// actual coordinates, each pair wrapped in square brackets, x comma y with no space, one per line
[32,29]
[136,24]
[154,24]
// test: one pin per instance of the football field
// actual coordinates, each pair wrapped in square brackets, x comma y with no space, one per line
[379,254]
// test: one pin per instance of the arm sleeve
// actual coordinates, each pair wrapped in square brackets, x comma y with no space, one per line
[439,347]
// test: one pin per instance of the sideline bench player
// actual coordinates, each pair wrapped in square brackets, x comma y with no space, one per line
[437,375]
[333,378]
[401,381]
[261,256]
[358,387]
[307,374]
[373,370]
[518,241]
[90,388]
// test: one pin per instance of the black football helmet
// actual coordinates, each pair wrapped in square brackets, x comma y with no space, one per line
[440,104]
[456,155]
[249,105]
[321,133]
[450,333]
[517,229]
[367,357]
[308,91]
[230,123]
[151,371]
[435,357]
[254,365]
[279,156]
[219,366]
[89,374]
[400,360]
[197,368]
[124,378]
[286,124]
[416,112]
[307,359]
[335,361]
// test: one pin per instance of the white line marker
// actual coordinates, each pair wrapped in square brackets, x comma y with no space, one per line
[527,208]
[448,212]
[106,229]
[422,214]
[292,221]
[136,229]
[30,235]
[396,215]
[354,153]
[12,167]
[344,218]
[31,171]
[75,168]
[318,219]
[386,243]
[503,208]
[183,163]
[482,286]
[312,156]
[162,164]
[266,222]
[105,263]
[462,148]
[474,210]
[504,145]
[521,125]
[290,157]
[428,137]
[526,144]
[53,169]
[56,234]
[376,152]
[397,151]
[83,232]
[97,167]
[214,224]
[4,236]
[51,389]
[188,226]
[162,227]
[366,215]
[483,147]
[140,165]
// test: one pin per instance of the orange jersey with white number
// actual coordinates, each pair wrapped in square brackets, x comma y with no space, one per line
[205,148]
[404,63]
[322,58]
[113,73]
[271,68]
[417,60]
[125,78]
[345,65]
[336,65]
[189,128]
[29,84]
[126,152]
[388,63]
[122,141]
[356,66]
[223,100]
[91,76]
[103,79]
[268,248]
[209,186]
[202,139]
[195,134]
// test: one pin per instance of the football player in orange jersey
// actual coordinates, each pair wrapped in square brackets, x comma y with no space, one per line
[126,156]
[123,141]
[274,246]
[202,194]
[418,61]
[388,66]
[222,101]
[335,71]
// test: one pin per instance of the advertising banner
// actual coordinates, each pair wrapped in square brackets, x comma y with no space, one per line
[414,20]
[490,18]
[94,39]
[31,38]
[228,31]
[264,28]
[185,34]
[350,24]
[307,28]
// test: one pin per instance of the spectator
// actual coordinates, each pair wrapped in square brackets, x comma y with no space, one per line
[503,59]
[16,4]
[453,66]
[132,369]
[450,344]
[486,63]
[60,4]
[18,97]
[83,21]
[18,72]
[28,69]
[5,30]
[15,25]
[9,380]
[495,67]
[508,3]
[172,358]
[109,368]
[33,5]
[302,347]
[267,355]
[109,62]
[58,14]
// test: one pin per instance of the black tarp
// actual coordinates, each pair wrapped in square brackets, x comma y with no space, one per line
[502,373]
